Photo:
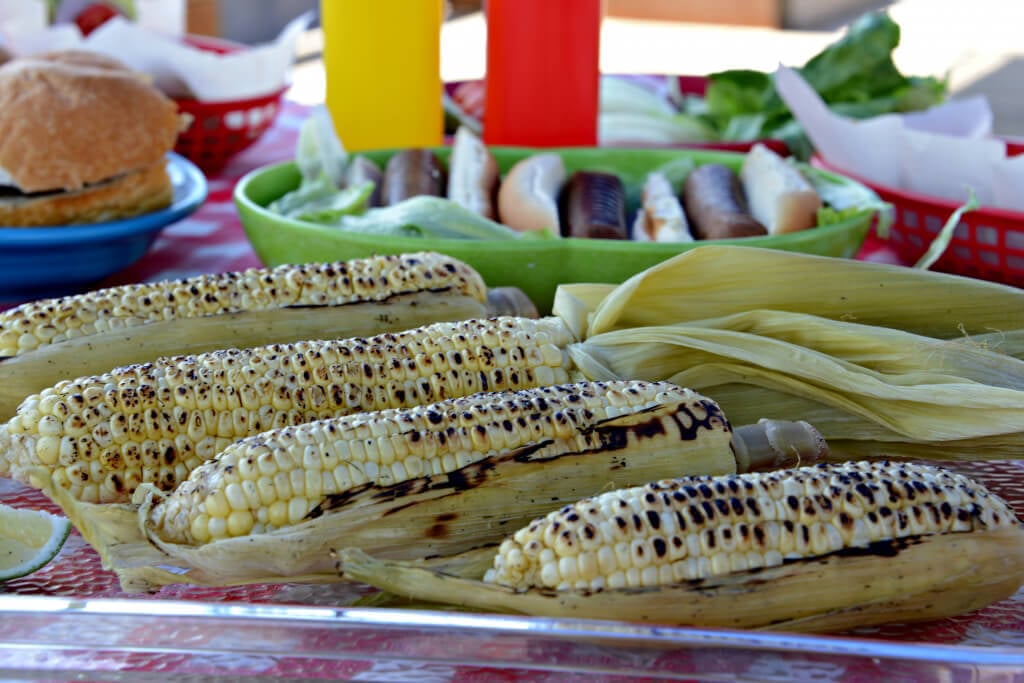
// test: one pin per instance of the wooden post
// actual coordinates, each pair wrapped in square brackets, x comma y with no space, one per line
[203,17]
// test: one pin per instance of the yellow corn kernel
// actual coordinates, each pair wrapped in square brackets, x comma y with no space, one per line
[307,472]
[183,410]
[720,526]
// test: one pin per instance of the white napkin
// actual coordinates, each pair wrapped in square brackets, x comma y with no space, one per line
[950,167]
[863,148]
[967,118]
[1008,183]
[179,69]
[18,17]
[946,151]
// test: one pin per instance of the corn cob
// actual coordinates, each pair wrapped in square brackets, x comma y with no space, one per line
[104,435]
[46,341]
[278,478]
[816,548]
[426,481]
[51,321]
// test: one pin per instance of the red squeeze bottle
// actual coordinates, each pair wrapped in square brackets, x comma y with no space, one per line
[543,75]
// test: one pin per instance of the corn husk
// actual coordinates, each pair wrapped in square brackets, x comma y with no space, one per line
[931,577]
[436,515]
[717,280]
[883,360]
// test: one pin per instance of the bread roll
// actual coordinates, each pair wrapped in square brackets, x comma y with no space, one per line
[528,196]
[472,174]
[77,130]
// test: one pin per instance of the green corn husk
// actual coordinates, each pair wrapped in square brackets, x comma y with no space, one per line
[883,360]
[717,280]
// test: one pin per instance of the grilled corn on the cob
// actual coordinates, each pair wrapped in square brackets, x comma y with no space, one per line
[823,547]
[45,341]
[425,481]
[279,478]
[51,321]
[102,436]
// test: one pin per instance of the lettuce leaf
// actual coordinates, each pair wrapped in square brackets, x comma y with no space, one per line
[427,216]
[855,76]
[941,242]
[352,200]
[844,199]
[310,192]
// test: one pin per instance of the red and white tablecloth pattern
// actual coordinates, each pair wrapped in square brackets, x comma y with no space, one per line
[212,240]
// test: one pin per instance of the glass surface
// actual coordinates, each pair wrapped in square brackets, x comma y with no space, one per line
[70,621]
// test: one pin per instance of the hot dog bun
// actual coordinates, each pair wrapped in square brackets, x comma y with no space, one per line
[778,195]
[528,197]
[661,217]
[472,174]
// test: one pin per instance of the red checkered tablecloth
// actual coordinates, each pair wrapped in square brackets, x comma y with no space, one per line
[212,240]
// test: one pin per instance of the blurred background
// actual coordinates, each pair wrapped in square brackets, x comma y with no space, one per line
[975,44]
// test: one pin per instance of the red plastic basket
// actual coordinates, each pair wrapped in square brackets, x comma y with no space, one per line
[988,244]
[220,130]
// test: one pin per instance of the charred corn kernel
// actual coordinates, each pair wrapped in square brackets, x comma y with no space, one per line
[166,411]
[377,278]
[720,526]
[525,419]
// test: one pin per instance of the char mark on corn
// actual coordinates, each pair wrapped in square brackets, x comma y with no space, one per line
[277,478]
[377,278]
[102,436]
[673,531]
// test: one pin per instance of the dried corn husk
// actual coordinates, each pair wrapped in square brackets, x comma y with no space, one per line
[934,578]
[717,280]
[882,360]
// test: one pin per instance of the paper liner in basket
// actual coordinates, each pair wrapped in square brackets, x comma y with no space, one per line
[177,68]
[947,151]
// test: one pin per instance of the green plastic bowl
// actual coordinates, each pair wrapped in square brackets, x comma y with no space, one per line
[535,266]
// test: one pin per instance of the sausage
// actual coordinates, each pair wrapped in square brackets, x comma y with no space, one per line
[411,173]
[361,170]
[714,201]
[593,205]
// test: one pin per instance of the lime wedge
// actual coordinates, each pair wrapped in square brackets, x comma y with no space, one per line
[29,539]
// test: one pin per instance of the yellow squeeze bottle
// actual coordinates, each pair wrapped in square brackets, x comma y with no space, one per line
[382,63]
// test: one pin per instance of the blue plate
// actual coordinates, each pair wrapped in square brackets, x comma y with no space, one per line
[53,261]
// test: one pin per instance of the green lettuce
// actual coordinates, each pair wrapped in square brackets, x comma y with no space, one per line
[426,216]
[941,242]
[855,76]
[329,210]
